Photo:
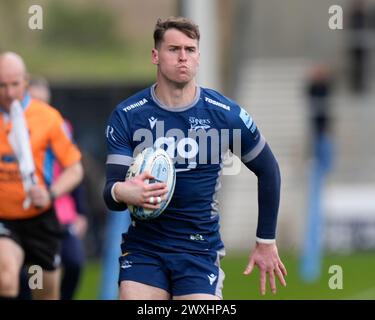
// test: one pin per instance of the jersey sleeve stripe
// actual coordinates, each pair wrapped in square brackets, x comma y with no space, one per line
[255,151]
[119,159]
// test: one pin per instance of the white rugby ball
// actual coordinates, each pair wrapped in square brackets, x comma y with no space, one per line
[160,165]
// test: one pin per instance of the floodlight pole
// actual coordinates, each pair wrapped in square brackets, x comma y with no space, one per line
[204,13]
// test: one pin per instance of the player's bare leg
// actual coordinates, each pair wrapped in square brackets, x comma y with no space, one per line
[131,290]
[11,259]
[51,286]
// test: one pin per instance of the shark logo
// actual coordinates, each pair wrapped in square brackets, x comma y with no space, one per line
[211,278]
[196,123]
[152,122]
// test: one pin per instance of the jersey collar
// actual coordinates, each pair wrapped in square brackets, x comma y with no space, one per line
[175,109]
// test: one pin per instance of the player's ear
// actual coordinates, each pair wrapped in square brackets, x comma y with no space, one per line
[155,56]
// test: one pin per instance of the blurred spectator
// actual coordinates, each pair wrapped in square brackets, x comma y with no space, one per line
[71,212]
[318,96]
[39,89]
[358,21]
[319,88]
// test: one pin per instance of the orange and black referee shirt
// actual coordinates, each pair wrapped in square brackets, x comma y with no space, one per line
[49,140]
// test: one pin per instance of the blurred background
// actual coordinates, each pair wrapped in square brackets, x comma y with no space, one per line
[309,88]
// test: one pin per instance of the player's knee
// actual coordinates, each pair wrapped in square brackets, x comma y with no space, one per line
[8,283]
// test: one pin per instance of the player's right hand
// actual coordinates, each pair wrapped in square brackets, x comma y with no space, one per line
[137,191]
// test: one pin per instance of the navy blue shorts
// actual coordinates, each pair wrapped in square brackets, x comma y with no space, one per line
[177,273]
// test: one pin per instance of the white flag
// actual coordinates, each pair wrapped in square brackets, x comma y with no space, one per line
[20,141]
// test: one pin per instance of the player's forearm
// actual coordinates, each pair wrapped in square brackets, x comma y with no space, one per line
[115,173]
[68,180]
[267,170]
[268,202]
[110,199]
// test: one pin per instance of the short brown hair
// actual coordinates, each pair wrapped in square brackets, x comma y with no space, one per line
[182,24]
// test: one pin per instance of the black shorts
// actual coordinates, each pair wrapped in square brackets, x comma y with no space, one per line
[39,237]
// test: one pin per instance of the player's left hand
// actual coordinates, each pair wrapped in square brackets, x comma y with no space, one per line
[266,257]
[39,196]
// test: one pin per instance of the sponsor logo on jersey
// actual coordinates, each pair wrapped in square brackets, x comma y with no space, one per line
[8,158]
[126,264]
[211,277]
[196,123]
[217,103]
[152,122]
[139,103]
[191,165]
[245,117]
[109,133]
[196,237]
[247,120]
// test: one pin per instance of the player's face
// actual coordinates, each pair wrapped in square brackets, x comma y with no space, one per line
[12,86]
[177,57]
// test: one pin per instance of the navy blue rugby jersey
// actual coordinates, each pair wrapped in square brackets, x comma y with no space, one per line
[197,137]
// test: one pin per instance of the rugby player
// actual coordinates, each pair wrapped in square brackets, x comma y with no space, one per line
[177,255]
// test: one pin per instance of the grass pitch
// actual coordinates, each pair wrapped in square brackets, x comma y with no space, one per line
[358,280]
